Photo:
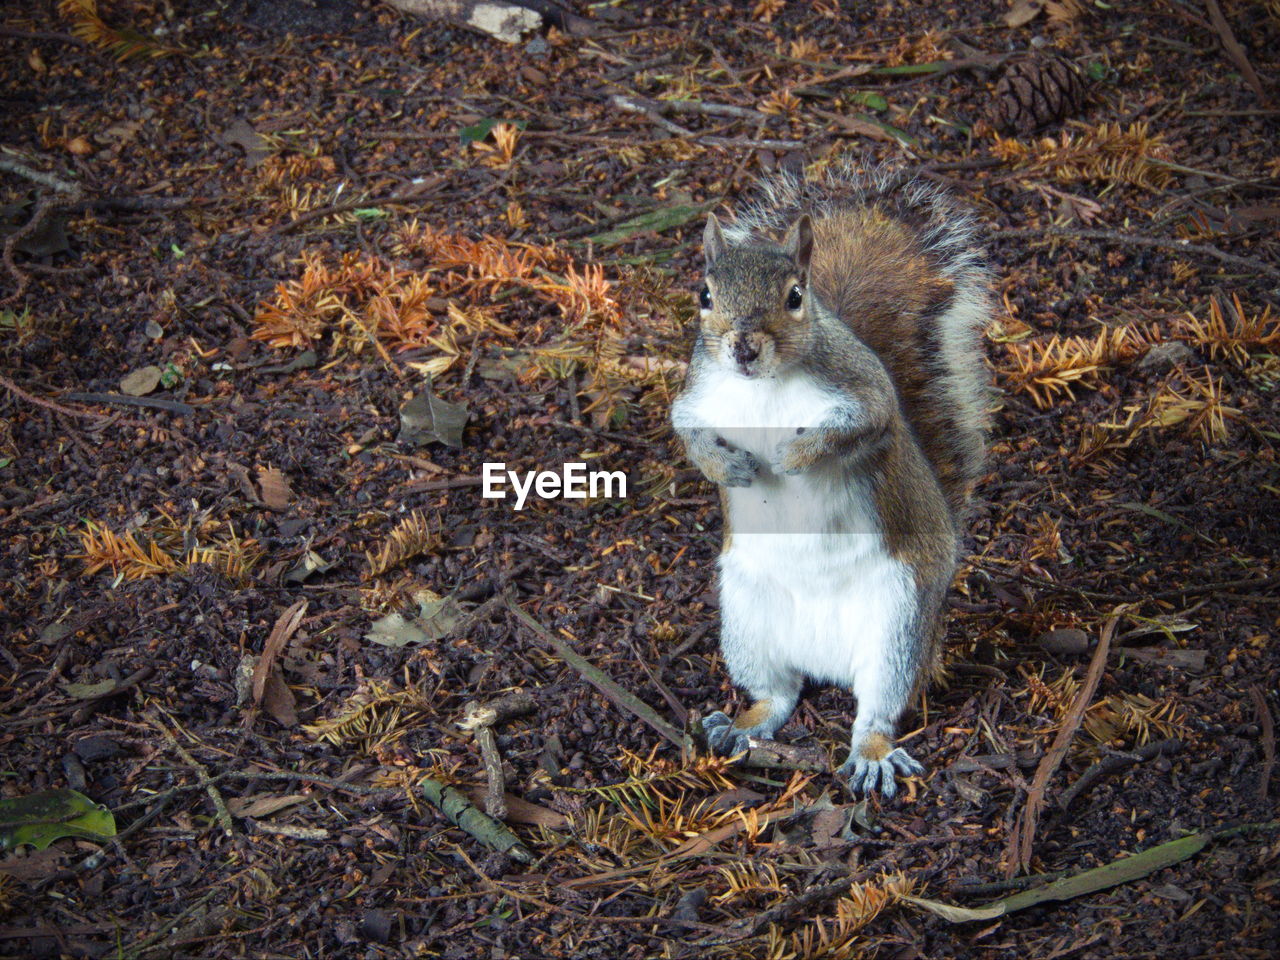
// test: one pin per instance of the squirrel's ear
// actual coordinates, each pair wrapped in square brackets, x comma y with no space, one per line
[799,244]
[713,244]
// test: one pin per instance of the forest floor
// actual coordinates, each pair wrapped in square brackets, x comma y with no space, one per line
[252,251]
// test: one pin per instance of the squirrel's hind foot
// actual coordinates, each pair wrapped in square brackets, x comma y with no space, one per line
[727,740]
[868,774]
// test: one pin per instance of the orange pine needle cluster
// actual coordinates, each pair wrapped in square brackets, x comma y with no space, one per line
[1109,154]
[121,42]
[359,294]
[1233,340]
[1200,409]
[128,558]
[1046,368]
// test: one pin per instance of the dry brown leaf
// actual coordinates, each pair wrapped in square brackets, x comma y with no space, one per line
[1023,12]
[522,811]
[275,490]
[278,700]
[285,627]
[263,805]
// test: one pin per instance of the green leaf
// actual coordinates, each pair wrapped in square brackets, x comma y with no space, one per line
[898,134]
[911,69]
[41,818]
[1097,70]
[1124,870]
[370,213]
[653,221]
[866,98]
[479,131]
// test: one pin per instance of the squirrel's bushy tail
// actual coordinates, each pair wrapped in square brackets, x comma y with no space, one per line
[896,259]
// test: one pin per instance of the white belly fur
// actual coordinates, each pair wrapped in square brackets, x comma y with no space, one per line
[807,585]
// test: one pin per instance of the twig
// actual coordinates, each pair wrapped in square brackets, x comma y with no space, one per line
[422,193]
[1268,740]
[463,813]
[1114,764]
[423,486]
[997,887]
[771,755]
[47,404]
[156,403]
[202,773]
[480,719]
[693,106]
[635,105]
[1018,854]
[810,898]
[597,678]
[747,143]
[1234,50]
[38,176]
[1114,236]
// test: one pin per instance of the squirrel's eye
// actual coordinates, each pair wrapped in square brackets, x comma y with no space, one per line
[704,298]
[794,299]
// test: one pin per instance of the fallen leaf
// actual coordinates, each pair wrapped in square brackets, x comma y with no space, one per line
[274,485]
[48,238]
[255,146]
[1023,12]
[89,691]
[119,134]
[263,805]
[278,700]
[1111,874]
[427,418]
[653,221]
[285,627]
[311,562]
[79,146]
[522,811]
[477,132]
[436,618]
[41,818]
[141,381]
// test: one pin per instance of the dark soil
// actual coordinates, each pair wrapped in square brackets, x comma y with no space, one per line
[1136,486]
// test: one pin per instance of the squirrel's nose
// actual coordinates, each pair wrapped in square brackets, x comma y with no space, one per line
[744,351]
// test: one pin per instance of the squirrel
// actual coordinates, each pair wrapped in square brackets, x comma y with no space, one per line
[837,396]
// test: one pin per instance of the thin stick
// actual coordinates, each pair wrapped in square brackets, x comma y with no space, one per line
[155,403]
[1109,765]
[48,404]
[597,677]
[1113,236]
[44,179]
[219,805]
[1268,740]
[1234,50]
[1018,854]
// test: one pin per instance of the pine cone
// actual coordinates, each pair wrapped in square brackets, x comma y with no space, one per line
[1036,91]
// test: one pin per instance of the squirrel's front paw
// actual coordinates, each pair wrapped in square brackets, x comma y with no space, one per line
[795,455]
[730,467]
[722,737]
[870,768]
